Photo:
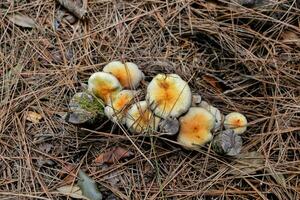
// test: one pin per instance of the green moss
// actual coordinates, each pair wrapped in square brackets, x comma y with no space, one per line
[90,103]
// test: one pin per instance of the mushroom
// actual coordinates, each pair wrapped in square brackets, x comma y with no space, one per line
[116,110]
[215,112]
[195,128]
[169,95]
[128,73]
[104,86]
[227,143]
[236,121]
[140,118]
[196,100]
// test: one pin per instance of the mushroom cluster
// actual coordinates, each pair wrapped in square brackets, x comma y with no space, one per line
[169,107]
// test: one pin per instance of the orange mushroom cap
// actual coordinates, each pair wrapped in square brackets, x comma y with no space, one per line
[236,121]
[140,118]
[169,95]
[195,128]
[104,86]
[128,73]
[117,109]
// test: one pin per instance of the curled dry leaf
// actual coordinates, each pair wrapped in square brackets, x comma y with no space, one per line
[72,191]
[113,155]
[248,163]
[33,117]
[22,20]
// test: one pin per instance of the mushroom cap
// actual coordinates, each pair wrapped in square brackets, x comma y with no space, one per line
[236,121]
[195,127]
[104,86]
[140,118]
[116,110]
[169,95]
[215,112]
[128,73]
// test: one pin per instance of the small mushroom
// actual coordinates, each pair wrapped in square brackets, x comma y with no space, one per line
[227,143]
[116,110]
[195,128]
[84,107]
[169,126]
[128,73]
[104,86]
[140,118]
[236,121]
[215,112]
[169,95]
[196,100]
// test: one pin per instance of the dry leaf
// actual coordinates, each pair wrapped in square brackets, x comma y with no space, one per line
[290,37]
[113,155]
[248,163]
[33,117]
[215,82]
[69,173]
[22,20]
[73,191]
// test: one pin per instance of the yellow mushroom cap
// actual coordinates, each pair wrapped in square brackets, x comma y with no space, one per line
[169,95]
[140,118]
[128,73]
[116,110]
[104,86]
[215,112]
[236,121]
[195,128]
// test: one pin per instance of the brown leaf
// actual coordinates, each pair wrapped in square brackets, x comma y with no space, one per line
[215,82]
[33,117]
[72,191]
[289,37]
[22,20]
[69,173]
[113,155]
[248,163]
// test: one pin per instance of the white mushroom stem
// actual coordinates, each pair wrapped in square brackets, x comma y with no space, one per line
[215,112]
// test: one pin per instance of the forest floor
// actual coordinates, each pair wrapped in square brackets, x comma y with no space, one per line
[237,57]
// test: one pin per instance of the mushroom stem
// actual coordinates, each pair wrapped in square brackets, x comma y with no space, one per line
[227,143]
